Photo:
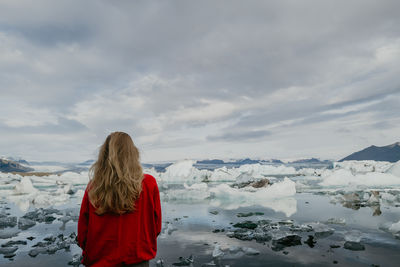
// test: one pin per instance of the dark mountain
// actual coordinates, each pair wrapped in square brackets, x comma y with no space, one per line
[389,153]
[245,161]
[12,166]
[210,161]
[311,161]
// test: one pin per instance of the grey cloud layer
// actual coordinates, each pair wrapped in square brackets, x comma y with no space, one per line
[197,76]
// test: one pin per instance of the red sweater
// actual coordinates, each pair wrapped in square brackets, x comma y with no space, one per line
[112,239]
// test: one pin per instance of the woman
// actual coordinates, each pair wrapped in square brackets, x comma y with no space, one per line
[120,215]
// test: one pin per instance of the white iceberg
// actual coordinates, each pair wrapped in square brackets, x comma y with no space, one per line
[395,169]
[25,186]
[363,166]
[183,171]
[277,197]
[344,177]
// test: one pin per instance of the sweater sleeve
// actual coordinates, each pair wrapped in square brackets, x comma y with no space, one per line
[157,209]
[83,221]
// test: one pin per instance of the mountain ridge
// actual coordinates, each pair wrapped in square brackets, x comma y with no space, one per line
[389,153]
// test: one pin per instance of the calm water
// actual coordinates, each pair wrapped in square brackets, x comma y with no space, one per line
[188,229]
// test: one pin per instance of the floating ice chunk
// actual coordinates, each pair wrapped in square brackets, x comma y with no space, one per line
[321,230]
[24,187]
[183,171]
[224,174]
[193,192]
[73,178]
[45,200]
[388,197]
[395,228]
[217,252]
[250,251]
[353,236]
[395,169]
[286,188]
[363,166]
[277,197]
[341,221]
[199,186]
[374,198]
[344,177]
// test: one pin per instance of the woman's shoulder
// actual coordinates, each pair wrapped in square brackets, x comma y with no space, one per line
[149,179]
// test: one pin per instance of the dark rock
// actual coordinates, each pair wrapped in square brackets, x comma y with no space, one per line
[310,241]
[214,212]
[25,223]
[8,250]
[334,246]
[31,238]
[260,183]
[36,251]
[261,237]
[249,214]
[12,243]
[241,234]
[286,241]
[184,261]
[50,238]
[49,219]
[8,222]
[246,224]
[355,246]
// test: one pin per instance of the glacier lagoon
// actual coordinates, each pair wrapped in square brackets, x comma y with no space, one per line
[253,215]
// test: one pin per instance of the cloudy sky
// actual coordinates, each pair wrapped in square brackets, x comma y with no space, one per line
[199,79]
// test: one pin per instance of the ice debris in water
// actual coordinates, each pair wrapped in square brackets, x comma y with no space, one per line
[52,244]
[25,186]
[217,252]
[233,252]
[341,221]
[353,236]
[395,228]
[321,230]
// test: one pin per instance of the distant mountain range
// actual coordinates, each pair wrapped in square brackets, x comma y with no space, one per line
[389,153]
[13,166]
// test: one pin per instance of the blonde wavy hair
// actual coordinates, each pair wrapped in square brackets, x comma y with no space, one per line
[116,176]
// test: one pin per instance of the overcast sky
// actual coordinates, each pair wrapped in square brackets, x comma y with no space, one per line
[199,79]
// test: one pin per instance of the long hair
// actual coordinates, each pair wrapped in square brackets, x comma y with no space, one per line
[116,176]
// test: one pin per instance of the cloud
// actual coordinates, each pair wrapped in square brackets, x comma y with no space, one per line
[199,78]
[240,136]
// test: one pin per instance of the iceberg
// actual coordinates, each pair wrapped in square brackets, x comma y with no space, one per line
[395,227]
[395,169]
[25,186]
[183,171]
[344,177]
[277,197]
[363,166]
